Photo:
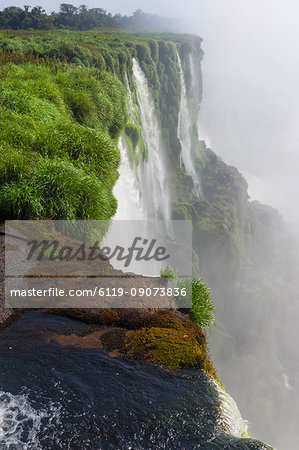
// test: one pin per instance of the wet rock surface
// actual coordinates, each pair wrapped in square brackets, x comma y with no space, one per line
[7,315]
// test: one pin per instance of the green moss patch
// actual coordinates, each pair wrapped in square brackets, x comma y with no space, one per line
[171,341]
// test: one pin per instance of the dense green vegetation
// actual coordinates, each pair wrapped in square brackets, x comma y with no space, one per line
[63,108]
[59,127]
[202,306]
[79,18]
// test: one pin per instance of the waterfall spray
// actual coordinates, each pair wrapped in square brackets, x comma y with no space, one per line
[185,131]
[154,179]
[127,189]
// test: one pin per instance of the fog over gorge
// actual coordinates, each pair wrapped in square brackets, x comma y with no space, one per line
[249,113]
[250,108]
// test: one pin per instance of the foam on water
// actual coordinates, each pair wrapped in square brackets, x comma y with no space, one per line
[20,423]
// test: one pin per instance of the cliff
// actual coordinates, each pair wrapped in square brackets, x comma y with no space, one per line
[66,98]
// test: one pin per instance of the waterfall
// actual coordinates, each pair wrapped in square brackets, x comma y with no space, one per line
[126,189]
[148,188]
[143,194]
[231,419]
[153,174]
[192,72]
[185,130]
[130,100]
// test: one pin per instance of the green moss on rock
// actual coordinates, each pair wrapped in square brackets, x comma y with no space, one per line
[172,342]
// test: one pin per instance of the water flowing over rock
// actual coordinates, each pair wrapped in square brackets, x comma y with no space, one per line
[127,189]
[154,180]
[230,414]
[185,127]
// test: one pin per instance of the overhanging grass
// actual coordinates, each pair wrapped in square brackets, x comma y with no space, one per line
[58,141]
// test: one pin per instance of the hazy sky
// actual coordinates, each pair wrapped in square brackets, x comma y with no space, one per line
[250,112]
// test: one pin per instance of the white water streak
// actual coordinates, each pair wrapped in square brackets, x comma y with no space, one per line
[126,189]
[185,129]
[154,179]
[231,418]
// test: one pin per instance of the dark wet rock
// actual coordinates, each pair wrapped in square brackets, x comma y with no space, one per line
[7,315]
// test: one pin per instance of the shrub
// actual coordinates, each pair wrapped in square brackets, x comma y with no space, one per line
[202,309]
[85,146]
[17,130]
[68,192]
[133,133]
[81,105]
[56,189]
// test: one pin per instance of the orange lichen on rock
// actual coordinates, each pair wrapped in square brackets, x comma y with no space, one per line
[92,340]
[164,337]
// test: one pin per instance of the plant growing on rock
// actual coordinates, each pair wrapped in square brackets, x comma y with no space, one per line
[202,309]
[202,305]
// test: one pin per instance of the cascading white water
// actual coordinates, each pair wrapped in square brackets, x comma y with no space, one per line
[153,174]
[231,419]
[130,100]
[126,189]
[185,130]
[142,194]
[192,71]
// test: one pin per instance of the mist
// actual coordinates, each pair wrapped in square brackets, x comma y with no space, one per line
[249,112]
[250,108]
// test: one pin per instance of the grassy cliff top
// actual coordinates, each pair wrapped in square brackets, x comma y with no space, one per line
[63,108]
[85,47]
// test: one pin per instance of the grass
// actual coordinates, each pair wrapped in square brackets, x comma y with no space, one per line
[202,309]
[202,305]
[58,141]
